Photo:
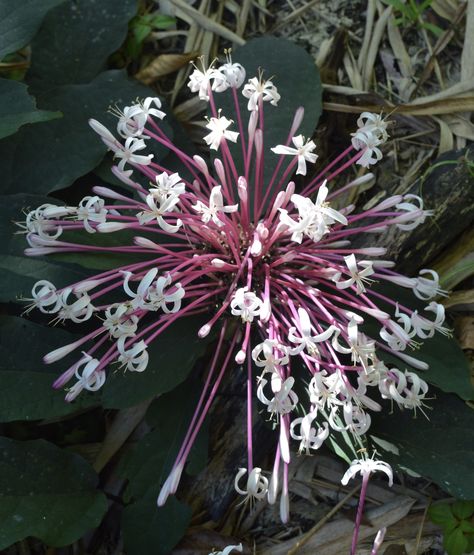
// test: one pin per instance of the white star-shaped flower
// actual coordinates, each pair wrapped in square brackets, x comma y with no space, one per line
[219,131]
[303,150]
[216,206]
[366,467]
[258,88]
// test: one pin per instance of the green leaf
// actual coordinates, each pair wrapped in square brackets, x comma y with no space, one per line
[19,22]
[76,39]
[26,392]
[47,493]
[17,107]
[470,543]
[172,357]
[296,76]
[151,529]
[441,513]
[466,526]
[439,448]
[455,542]
[141,31]
[437,31]
[463,509]
[169,416]
[160,21]
[53,155]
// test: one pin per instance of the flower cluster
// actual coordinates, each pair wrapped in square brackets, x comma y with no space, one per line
[273,269]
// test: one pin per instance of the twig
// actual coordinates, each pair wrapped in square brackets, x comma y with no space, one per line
[207,23]
[420,530]
[293,15]
[304,540]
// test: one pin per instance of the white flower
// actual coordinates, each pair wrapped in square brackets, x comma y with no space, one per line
[89,379]
[426,288]
[366,467]
[200,81]
[314,218]
[415,215]
[80,310]
[308,436]
[135,359]
[134,118]
[367,141]
[303,150]
[423,288]
[373,123]
[45,297]
[256,487]
[39,222]
[91,209]
[307,341]
[425,328]
[218,127]
[127,153]
[140,298]
[360,347]
[159,298]
[246,304]
[358,277]
[228,549]
[407,389]
[283,401]
[119,322]
[264,356]
[216,206]
[234,75]
[325,390]
[258,88]
[356,419]
[168,185]
[159,207]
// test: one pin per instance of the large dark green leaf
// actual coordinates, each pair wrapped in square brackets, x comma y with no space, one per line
[26,392]
[148,465]
[52,155]
[17,107]
[172,356]
[439,448]
[76,39]
[152,530]
[19,22]
[47,493]
[296,76]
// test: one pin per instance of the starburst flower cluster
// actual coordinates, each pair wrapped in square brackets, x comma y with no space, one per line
[271,270]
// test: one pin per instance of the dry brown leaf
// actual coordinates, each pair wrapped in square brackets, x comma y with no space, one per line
[454,91]
[446,139]
[335,537]
[447,106]
[164,65]
[374,47]
[445,8]
[464,326]
[460,300]
[457,264]
[369,23]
